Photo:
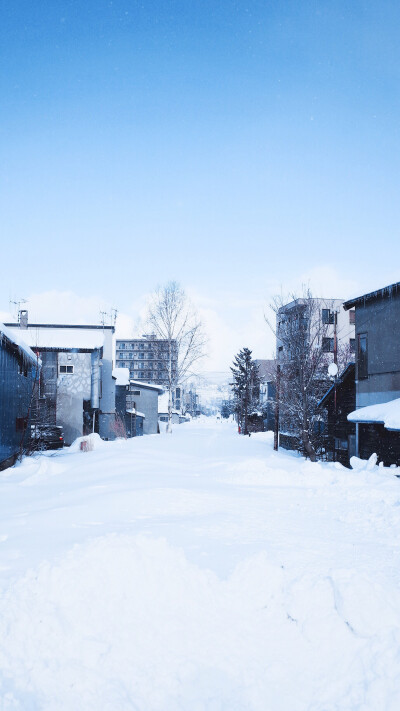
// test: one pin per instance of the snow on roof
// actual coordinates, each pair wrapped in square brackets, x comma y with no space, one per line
[15,337]
[152,386]
[386,413]
[132,411]
[59,337]
[121,375]
[383,291]
[163,405]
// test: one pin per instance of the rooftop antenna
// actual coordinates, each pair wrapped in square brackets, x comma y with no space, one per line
[103,315]
[18,304]
[114,314]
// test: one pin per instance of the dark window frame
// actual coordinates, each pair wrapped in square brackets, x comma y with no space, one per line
[362,356]
[328,344]
[327,317]
[69,369]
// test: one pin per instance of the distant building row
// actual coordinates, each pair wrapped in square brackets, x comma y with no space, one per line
[65,376]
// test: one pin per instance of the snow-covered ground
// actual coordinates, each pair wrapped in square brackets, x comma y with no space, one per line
[198,571]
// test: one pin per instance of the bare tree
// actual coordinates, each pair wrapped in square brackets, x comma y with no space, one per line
[174,320]
[302,338]
[118,427]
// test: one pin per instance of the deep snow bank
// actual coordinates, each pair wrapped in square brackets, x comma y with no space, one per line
[198,571]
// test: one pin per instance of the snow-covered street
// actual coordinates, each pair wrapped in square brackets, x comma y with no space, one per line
[198,572]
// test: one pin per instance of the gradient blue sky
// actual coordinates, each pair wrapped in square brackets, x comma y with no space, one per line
[233,146]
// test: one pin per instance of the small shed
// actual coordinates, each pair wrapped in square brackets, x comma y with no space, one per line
[379,431]
[134,422]
[135,396]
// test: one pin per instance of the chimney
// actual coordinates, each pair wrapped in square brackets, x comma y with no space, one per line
[23,318]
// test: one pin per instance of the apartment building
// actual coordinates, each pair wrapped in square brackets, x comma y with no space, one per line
[329,319]
[148,358]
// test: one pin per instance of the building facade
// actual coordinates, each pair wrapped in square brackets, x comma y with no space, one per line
[148,358]
[377,333]
[377,326]
[19,374]
[137,399]
[329,319]
[76,389]
[311,333]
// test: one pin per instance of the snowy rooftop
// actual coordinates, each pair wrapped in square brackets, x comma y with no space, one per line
[133,411]
[121,376]
[61,337]
[386,413]
[373,293]
[15,337]
[152,386]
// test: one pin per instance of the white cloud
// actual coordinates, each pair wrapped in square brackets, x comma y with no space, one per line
[232,319]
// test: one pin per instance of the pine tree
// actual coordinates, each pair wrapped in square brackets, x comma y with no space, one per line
[246,386]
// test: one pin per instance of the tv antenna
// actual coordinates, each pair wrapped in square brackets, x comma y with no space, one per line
[18,303]
[103,315]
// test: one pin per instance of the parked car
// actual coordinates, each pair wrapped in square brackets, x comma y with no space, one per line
[47,437]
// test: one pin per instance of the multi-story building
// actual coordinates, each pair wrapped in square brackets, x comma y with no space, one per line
[311,334]
[148,358]
[329,319]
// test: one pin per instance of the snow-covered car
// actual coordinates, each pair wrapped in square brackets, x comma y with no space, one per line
[47,437]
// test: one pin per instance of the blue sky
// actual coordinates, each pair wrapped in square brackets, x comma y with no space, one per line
[238,147]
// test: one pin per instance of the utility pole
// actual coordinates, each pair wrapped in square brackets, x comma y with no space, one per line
[277,396]
[335,362]
[335,349]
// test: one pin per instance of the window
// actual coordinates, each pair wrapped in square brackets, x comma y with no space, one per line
[327,345]
[362,356]
[135,392]
[121,345]
[341,443]
[22,369]
[21,424]
[328,316]
[352,317]
[66,369]
[352,345]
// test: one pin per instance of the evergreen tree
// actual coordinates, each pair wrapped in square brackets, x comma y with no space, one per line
[245,386]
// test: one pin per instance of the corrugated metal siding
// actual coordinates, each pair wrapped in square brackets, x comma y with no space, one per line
[15,397]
